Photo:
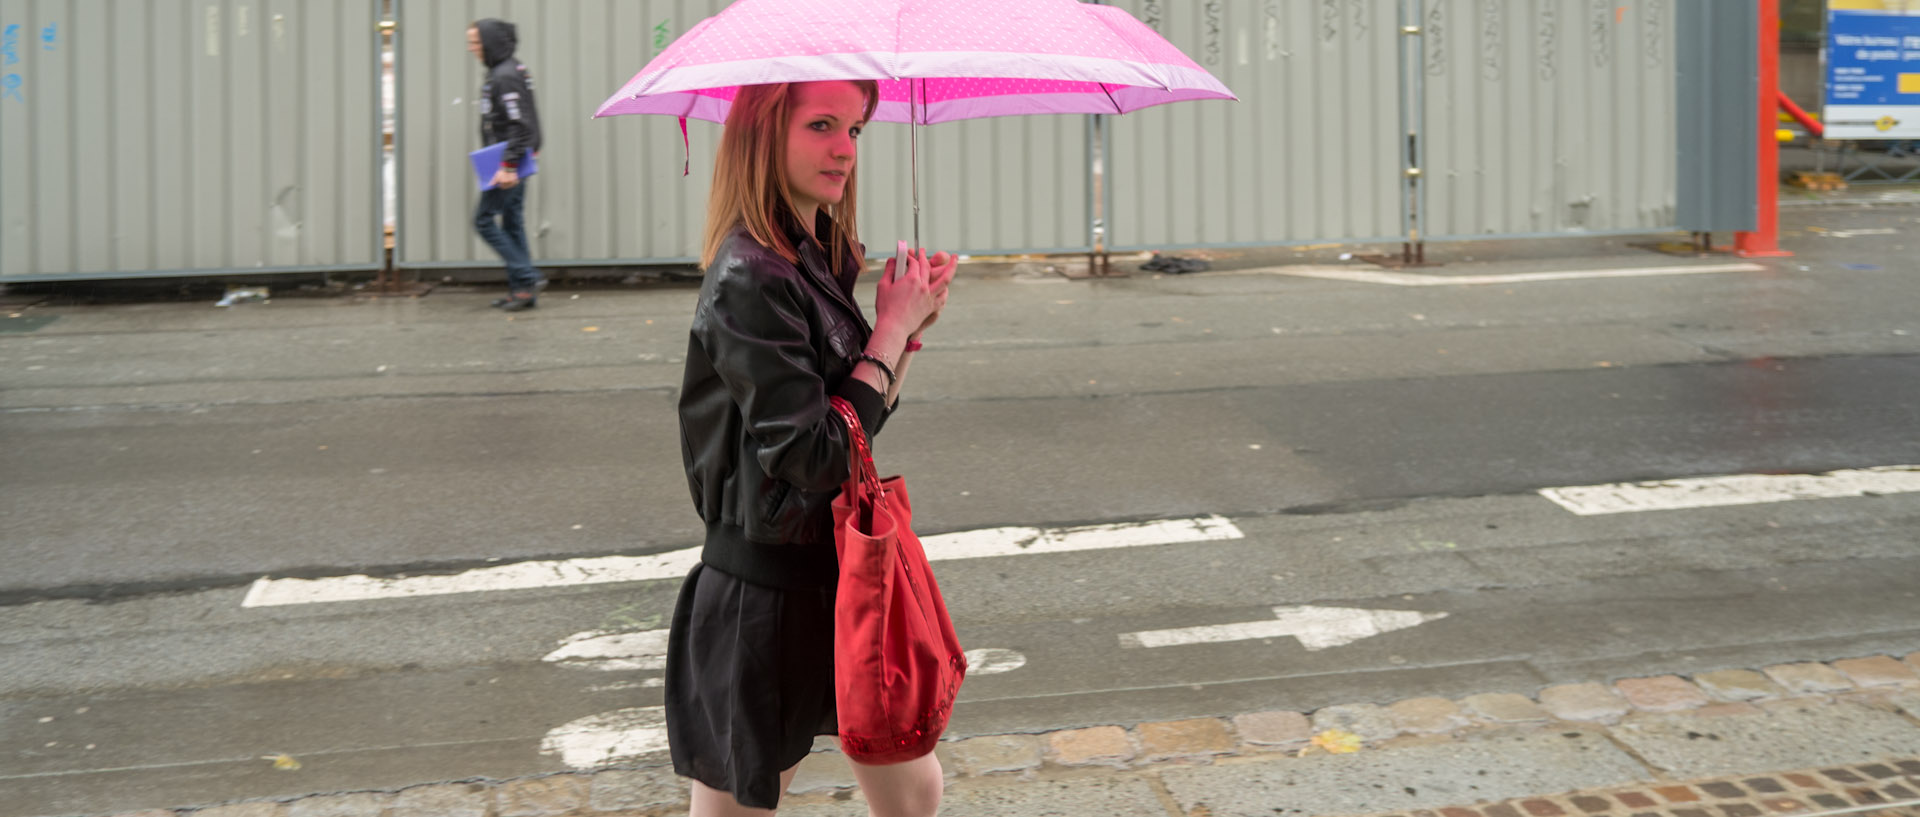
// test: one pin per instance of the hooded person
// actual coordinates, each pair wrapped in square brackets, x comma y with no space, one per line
[507,114]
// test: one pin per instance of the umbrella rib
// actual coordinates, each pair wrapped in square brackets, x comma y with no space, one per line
[1109,93]
[899,25]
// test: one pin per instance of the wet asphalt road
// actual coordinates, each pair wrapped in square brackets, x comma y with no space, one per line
[1377,446]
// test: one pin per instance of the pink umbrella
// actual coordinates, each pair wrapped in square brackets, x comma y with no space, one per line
[935,60]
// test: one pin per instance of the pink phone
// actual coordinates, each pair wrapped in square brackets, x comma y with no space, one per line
[900,259]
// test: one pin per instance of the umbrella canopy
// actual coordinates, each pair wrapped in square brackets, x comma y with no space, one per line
[935,60]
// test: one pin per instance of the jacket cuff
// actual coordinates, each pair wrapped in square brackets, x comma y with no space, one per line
[869,404]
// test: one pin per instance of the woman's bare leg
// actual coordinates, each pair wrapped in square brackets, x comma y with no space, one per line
[708,802]
[910,789]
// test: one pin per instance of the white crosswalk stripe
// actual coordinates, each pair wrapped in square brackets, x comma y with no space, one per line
[977,544]
[1741,489]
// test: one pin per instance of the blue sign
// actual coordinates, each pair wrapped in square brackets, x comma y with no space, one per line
[1873,69]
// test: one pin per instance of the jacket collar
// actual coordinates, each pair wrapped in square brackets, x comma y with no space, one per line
[813,254]
[816,262]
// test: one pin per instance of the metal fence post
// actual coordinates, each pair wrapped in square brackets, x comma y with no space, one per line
[1764,240]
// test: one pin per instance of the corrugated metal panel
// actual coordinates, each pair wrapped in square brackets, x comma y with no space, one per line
[987,186]
[1308,154]
[170,138]
[1548,117]
[1719,87]
[609,190]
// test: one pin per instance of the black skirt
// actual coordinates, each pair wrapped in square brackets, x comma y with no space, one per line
[749,682]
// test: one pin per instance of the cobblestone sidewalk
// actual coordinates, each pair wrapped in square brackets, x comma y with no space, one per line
[1713,745]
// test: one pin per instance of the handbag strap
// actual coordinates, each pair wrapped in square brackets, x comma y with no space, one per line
[860,470]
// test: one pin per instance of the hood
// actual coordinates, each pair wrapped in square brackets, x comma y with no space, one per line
[497,40]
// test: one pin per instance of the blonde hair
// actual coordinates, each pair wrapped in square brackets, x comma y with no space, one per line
[749,177]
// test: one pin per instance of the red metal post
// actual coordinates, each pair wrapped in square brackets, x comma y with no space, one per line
[1806,120]
[1764,240]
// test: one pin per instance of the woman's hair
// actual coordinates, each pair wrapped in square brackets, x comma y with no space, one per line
[749,177]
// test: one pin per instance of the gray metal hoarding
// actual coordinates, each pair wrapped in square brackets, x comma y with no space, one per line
[1549,117]
[1005,185]
[1307,154]
[610,191]
[169,137]
[1719,87]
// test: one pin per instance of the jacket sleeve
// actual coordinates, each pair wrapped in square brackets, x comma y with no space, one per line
[755,332]
[513,104]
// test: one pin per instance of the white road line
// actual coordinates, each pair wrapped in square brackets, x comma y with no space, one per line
[269,592]
[1742,489]
[993,661]
[980,544]
[1409,279]
[519,576]
[609,737]
[1317,628]
[612,652]
[647,650]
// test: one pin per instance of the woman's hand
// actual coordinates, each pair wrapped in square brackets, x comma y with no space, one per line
[944,265]
[908,298]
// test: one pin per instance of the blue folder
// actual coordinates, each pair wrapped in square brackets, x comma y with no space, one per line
[486,162]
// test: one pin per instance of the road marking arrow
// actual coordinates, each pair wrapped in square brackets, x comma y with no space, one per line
[613,652]
[1317,628]
[620,736]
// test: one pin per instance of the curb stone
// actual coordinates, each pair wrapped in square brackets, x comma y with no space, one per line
[1736,685]
[1879,682]
[1584,702]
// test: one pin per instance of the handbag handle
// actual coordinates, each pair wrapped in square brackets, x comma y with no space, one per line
[860,469]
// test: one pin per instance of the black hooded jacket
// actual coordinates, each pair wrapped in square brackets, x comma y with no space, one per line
[507,112]
[764,451]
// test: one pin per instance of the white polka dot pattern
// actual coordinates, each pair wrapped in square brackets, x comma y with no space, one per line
[977,58]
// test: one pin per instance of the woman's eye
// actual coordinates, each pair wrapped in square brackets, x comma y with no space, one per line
[856,132]
[819,126]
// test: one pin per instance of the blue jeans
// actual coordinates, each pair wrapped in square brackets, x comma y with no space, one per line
[508,235]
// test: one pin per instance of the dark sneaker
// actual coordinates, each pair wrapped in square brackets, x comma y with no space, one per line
[518,305]
[500,302]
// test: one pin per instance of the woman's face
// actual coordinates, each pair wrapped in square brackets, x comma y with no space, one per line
[820,142]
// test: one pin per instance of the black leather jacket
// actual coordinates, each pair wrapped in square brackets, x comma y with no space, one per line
[764,452]
[507,112]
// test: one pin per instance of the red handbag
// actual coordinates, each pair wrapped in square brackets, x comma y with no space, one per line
[896,662]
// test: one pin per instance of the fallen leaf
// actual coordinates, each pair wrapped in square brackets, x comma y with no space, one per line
[283,762]
[589,328]
[1335,742]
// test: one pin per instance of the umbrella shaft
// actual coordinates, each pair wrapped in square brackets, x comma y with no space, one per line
[913,128]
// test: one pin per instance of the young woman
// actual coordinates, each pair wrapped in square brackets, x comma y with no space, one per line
[777,334]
